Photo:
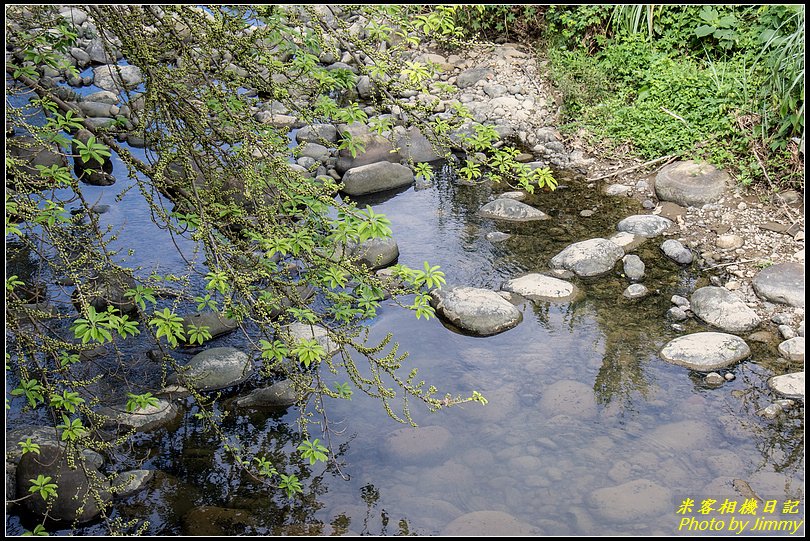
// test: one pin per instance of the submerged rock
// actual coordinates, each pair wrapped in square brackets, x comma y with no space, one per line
[719,307]
[568,397]
[632,501]
[543,288]
[376,253]
[691,184]
[511,210]
[488,523]
[417,444]
[705,351]
[782,283]
[479,311]
[278,395]
[588,258]
[644,225]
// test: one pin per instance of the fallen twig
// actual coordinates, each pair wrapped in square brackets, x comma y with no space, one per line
[735,263]
[668,159]
[673,115]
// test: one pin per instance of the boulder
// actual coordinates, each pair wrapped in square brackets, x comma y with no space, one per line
[543,288]
[789,385]
[488,523]
[419,444]
[705,351]
[511,210]
[719,307]
[278,395]
[639,499]
[588,258]
[215,368]
[782,283]
[633,267]
[644,225]
[479,311]
[113,78]
[691,184]
[217,324]
[677,252]
[793,349]
[376,177]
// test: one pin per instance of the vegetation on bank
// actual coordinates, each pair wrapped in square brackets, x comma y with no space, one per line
[722,83]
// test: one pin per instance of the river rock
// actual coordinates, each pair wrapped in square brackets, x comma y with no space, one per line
[375,253]
[627,241]
[542,288]
[705,351]
[418,444]
[74,499]
[304,331]
[376,177]
[103,96]
[376,148]
[488,523]
[95,108]
[143,419]
[782,283]
[568,397]
[588,258]
[644,225]
[33,153]
[516,195]
[639,499]
[108,288]
[497,236]
[635,291]
[216,368]
[111,77]
[677,252]
[414,146]
[690,184]
[316,151]
[479,311]
[793,349]
[789,385]
[617,189]
[278,395]
[317,133]
[131,482]
[471,76]
[633,267]
[511,210]
[217,324]
[682,436]
[719,307]
[729,242]
[42,435]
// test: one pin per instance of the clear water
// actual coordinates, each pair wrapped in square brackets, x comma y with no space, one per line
[628,415]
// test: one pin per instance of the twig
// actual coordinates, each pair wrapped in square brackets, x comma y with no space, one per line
[673,115]
[782,205]
[734,263]
[667,158]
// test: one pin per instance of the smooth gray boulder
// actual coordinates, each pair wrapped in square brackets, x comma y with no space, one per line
[304,331]
[588,258]
[705,351]
[376,148]
[719,307]
[376,253]
[644,225]
[317,133]
[479,311]
[278,395]
[793,349]
[511,210]
[691,184]
[216,324]
[471,76]
[677,252]
[789,385]
[376,177]
[143,419]
[414,146]
[131,482]
[633,267]
[112,77]
[782,283]
[543,288]
[216,368]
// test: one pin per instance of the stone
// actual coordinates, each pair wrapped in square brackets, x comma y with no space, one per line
[634,500]
[479,311]
[729,242]
[782,283]
[217,324]
[644,225]
[627,241]
[792,349]
[215,368]
[713,378]
[494,90]
[691,184]
[108,288]
[488,523]
[543,288]
[305,331]
[681,301]
[568,397]
[316,151]
[103,96]
[278,395]
[617,189]
[143,419]
[677,252]
[591,257]
[511,210]
[131,482]
[34,153]
[112,78]
[95,108]
[97,53]
[705,351]
[376,148]
[414,146]
[471,76]
[789,385]
[676,313]
[721,308]
[74,500]
[375,253]
[633,267]
[497,236]
[317,133]
[787,332]
[682,436]
[419,444]
[516,195]
[635,291]
[376,177]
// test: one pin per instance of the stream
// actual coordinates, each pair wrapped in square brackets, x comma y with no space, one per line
[579,401]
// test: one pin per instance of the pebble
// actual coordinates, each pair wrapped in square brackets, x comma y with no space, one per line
[713,378]
[729,376]
[787,332]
